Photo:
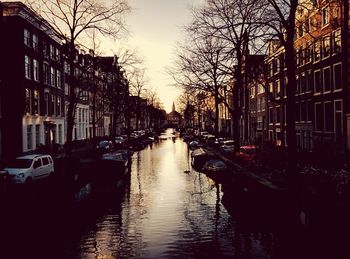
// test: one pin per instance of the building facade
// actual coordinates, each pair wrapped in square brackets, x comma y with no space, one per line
[32,81]
[320,115]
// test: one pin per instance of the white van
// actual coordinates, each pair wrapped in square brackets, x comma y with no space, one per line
[26,169]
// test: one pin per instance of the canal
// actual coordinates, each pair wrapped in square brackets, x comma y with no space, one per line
[164,210]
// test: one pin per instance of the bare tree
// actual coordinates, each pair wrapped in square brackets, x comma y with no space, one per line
[202,64]
[73,18]
[138,84]
[228,27]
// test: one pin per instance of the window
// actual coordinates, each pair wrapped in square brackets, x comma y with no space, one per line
[337,73]
[301,56]
[26,38]
[45,161]
[325,16]
[262,105]
[327,79]
[29,137]
[27,67]
[36,70]
[37,163]
[28,107]
[275,66]
[317,81]
[66,88]
[35,42]
[284,88]
[52,77]
[37,135]
[58,79]
[310,81]
[329,116]
[46,74]
[260,123]
[275,86]
[303,111]
[338,120]
[308,54]
[271,88]
[53,105]
[261,89]
[252,92]
[297,88]
[66,67]
[318,117]
[326,47]
[271,117]
[278,114]
[45,49]
[309,110]
[303,83]
[60,133]
[58,105]
[52,52]
[46,99]
[36,101]
[278,89]
[317,51]
[58,55]
[337,41]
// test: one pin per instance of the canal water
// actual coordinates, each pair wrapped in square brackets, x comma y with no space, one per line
[169,210]
[164,210]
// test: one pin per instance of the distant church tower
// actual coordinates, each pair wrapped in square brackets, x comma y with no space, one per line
[173,106]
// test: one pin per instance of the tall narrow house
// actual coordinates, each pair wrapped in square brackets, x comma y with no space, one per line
[31,81]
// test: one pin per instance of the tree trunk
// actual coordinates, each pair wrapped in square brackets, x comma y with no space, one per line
[72,99]
[94,113]
[236,109]
[216,125]
[345,72]
[137,113]
[114,122]
[290,105]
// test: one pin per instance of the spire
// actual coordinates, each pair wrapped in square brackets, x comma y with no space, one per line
[173,106]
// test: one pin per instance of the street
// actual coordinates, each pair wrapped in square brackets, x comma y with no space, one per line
[166,209]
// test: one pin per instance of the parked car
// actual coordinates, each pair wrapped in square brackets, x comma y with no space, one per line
[202,134]
[227,146]
[200,156]
[209,139]
[218,142]
[215,166]
[134,135]
[25,169]
[104,145]
[247,153]
[119,140]
[194,144]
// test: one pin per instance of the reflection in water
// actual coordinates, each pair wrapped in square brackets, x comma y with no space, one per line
[168,213]
[162,212]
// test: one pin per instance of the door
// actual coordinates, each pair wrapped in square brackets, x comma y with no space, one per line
[37,168]
[46,167]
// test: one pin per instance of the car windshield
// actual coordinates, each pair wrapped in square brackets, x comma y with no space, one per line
[229,143]
[103,144]
[20,163]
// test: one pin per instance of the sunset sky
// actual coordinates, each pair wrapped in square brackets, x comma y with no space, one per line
[156,26]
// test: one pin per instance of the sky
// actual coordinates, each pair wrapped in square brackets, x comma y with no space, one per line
[155,28]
